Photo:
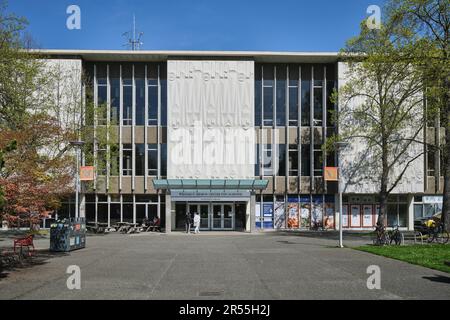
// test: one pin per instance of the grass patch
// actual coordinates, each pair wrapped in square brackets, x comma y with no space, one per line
[430,256]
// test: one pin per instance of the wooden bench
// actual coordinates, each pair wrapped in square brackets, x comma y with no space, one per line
[24,242]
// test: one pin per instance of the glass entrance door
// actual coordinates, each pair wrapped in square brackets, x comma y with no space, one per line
[217,217]
[204,216]
[214,216]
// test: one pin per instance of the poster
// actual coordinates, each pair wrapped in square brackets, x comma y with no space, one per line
[268,215]
[355,216]
[258,215]
[367,216]
[345,216]
[328,220]
[305,211]
[317,212]
[279,215]
[293,219]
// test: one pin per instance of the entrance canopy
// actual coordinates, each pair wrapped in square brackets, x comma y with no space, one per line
[216,184]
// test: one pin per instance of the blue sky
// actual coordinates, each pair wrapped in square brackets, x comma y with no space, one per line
[283,25]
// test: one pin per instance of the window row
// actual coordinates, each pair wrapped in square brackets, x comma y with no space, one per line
[270,163]
[289,94]
[133,92]
[143,154]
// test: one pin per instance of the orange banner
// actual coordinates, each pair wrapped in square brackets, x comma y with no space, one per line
[331,174]
[87,173]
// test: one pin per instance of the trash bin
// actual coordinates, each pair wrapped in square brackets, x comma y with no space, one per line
[68,234]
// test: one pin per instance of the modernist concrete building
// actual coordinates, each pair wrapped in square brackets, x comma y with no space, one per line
[234,136]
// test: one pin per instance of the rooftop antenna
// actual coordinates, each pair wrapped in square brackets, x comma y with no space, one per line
[133,43]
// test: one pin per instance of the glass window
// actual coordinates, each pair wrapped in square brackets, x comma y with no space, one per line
[268,106]
[127,212]
[306,160]
[318,106]
[152,105]
[392,217]
[114,212]
[115,101]
[163,84]
[267,160]
[258,93]
[281,160]
[164,159]
[330,104]
[101,160]
[318,75]
[115,160]
[140,102]
[152,159]
[281,96]
[402,215]
[318,160]
[257,164]
[127,111]
[140,159]
[418,211]
[293,160]
[293,106]
[102,101]
[127,163]
[306,96]
[102,212]
[431,160]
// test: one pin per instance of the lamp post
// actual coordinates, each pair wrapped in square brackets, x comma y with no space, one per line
[339,146]
[77,145]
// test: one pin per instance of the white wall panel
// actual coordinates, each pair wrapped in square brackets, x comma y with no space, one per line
[210,119]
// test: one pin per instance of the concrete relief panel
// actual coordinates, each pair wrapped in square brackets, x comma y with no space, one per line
[210,119]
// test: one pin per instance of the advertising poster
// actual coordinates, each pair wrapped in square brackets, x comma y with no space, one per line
[280,215]
[305,211]
[268,215]
[367,216]
[345,216]
[258,215]
[317,212]
[355,216]
[328,220]
[293,218]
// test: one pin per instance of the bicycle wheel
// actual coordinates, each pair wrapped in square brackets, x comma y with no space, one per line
[442,237]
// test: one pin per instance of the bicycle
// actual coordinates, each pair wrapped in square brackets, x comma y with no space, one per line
[395,236]
[436,233]
[382,237]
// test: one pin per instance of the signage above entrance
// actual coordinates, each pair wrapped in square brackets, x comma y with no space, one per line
[210,195]
[210,184]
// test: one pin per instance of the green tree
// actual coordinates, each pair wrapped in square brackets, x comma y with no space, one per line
[380,110]
[430,20]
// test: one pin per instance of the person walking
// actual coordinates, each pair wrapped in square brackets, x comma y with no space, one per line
[188,222]
[196,222]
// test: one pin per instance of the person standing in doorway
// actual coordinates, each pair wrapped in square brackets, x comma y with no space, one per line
[196,222]
[188,222]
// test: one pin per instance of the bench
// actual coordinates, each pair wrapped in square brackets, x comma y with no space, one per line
[24,242]
[415,236]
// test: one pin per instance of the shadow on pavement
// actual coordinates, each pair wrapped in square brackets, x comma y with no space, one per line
[438,278]
[10,261]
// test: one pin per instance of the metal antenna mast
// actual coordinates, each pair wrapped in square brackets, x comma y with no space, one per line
[133,43]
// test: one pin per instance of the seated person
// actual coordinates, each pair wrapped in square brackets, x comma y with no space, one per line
[155,224]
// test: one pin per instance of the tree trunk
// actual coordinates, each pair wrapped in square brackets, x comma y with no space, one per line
[383,206]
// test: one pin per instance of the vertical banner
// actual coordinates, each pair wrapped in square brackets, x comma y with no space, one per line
[368,216]
[305,211]
[317,212]
[293,218]
[345,216]
[280,215]
[328,221]
[258,215]
[268,215]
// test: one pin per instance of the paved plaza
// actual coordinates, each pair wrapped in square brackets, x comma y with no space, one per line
[219,265]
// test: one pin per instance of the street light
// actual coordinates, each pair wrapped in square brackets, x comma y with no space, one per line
[77,144]
[339,146]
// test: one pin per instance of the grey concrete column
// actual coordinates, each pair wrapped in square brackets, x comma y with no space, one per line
[82,206]
[252,213]
[168,225]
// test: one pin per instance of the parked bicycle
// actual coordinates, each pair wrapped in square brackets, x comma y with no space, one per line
[395,236]
[382,237]
[437,232]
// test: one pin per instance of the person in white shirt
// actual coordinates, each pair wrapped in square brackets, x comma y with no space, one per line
[196,222]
